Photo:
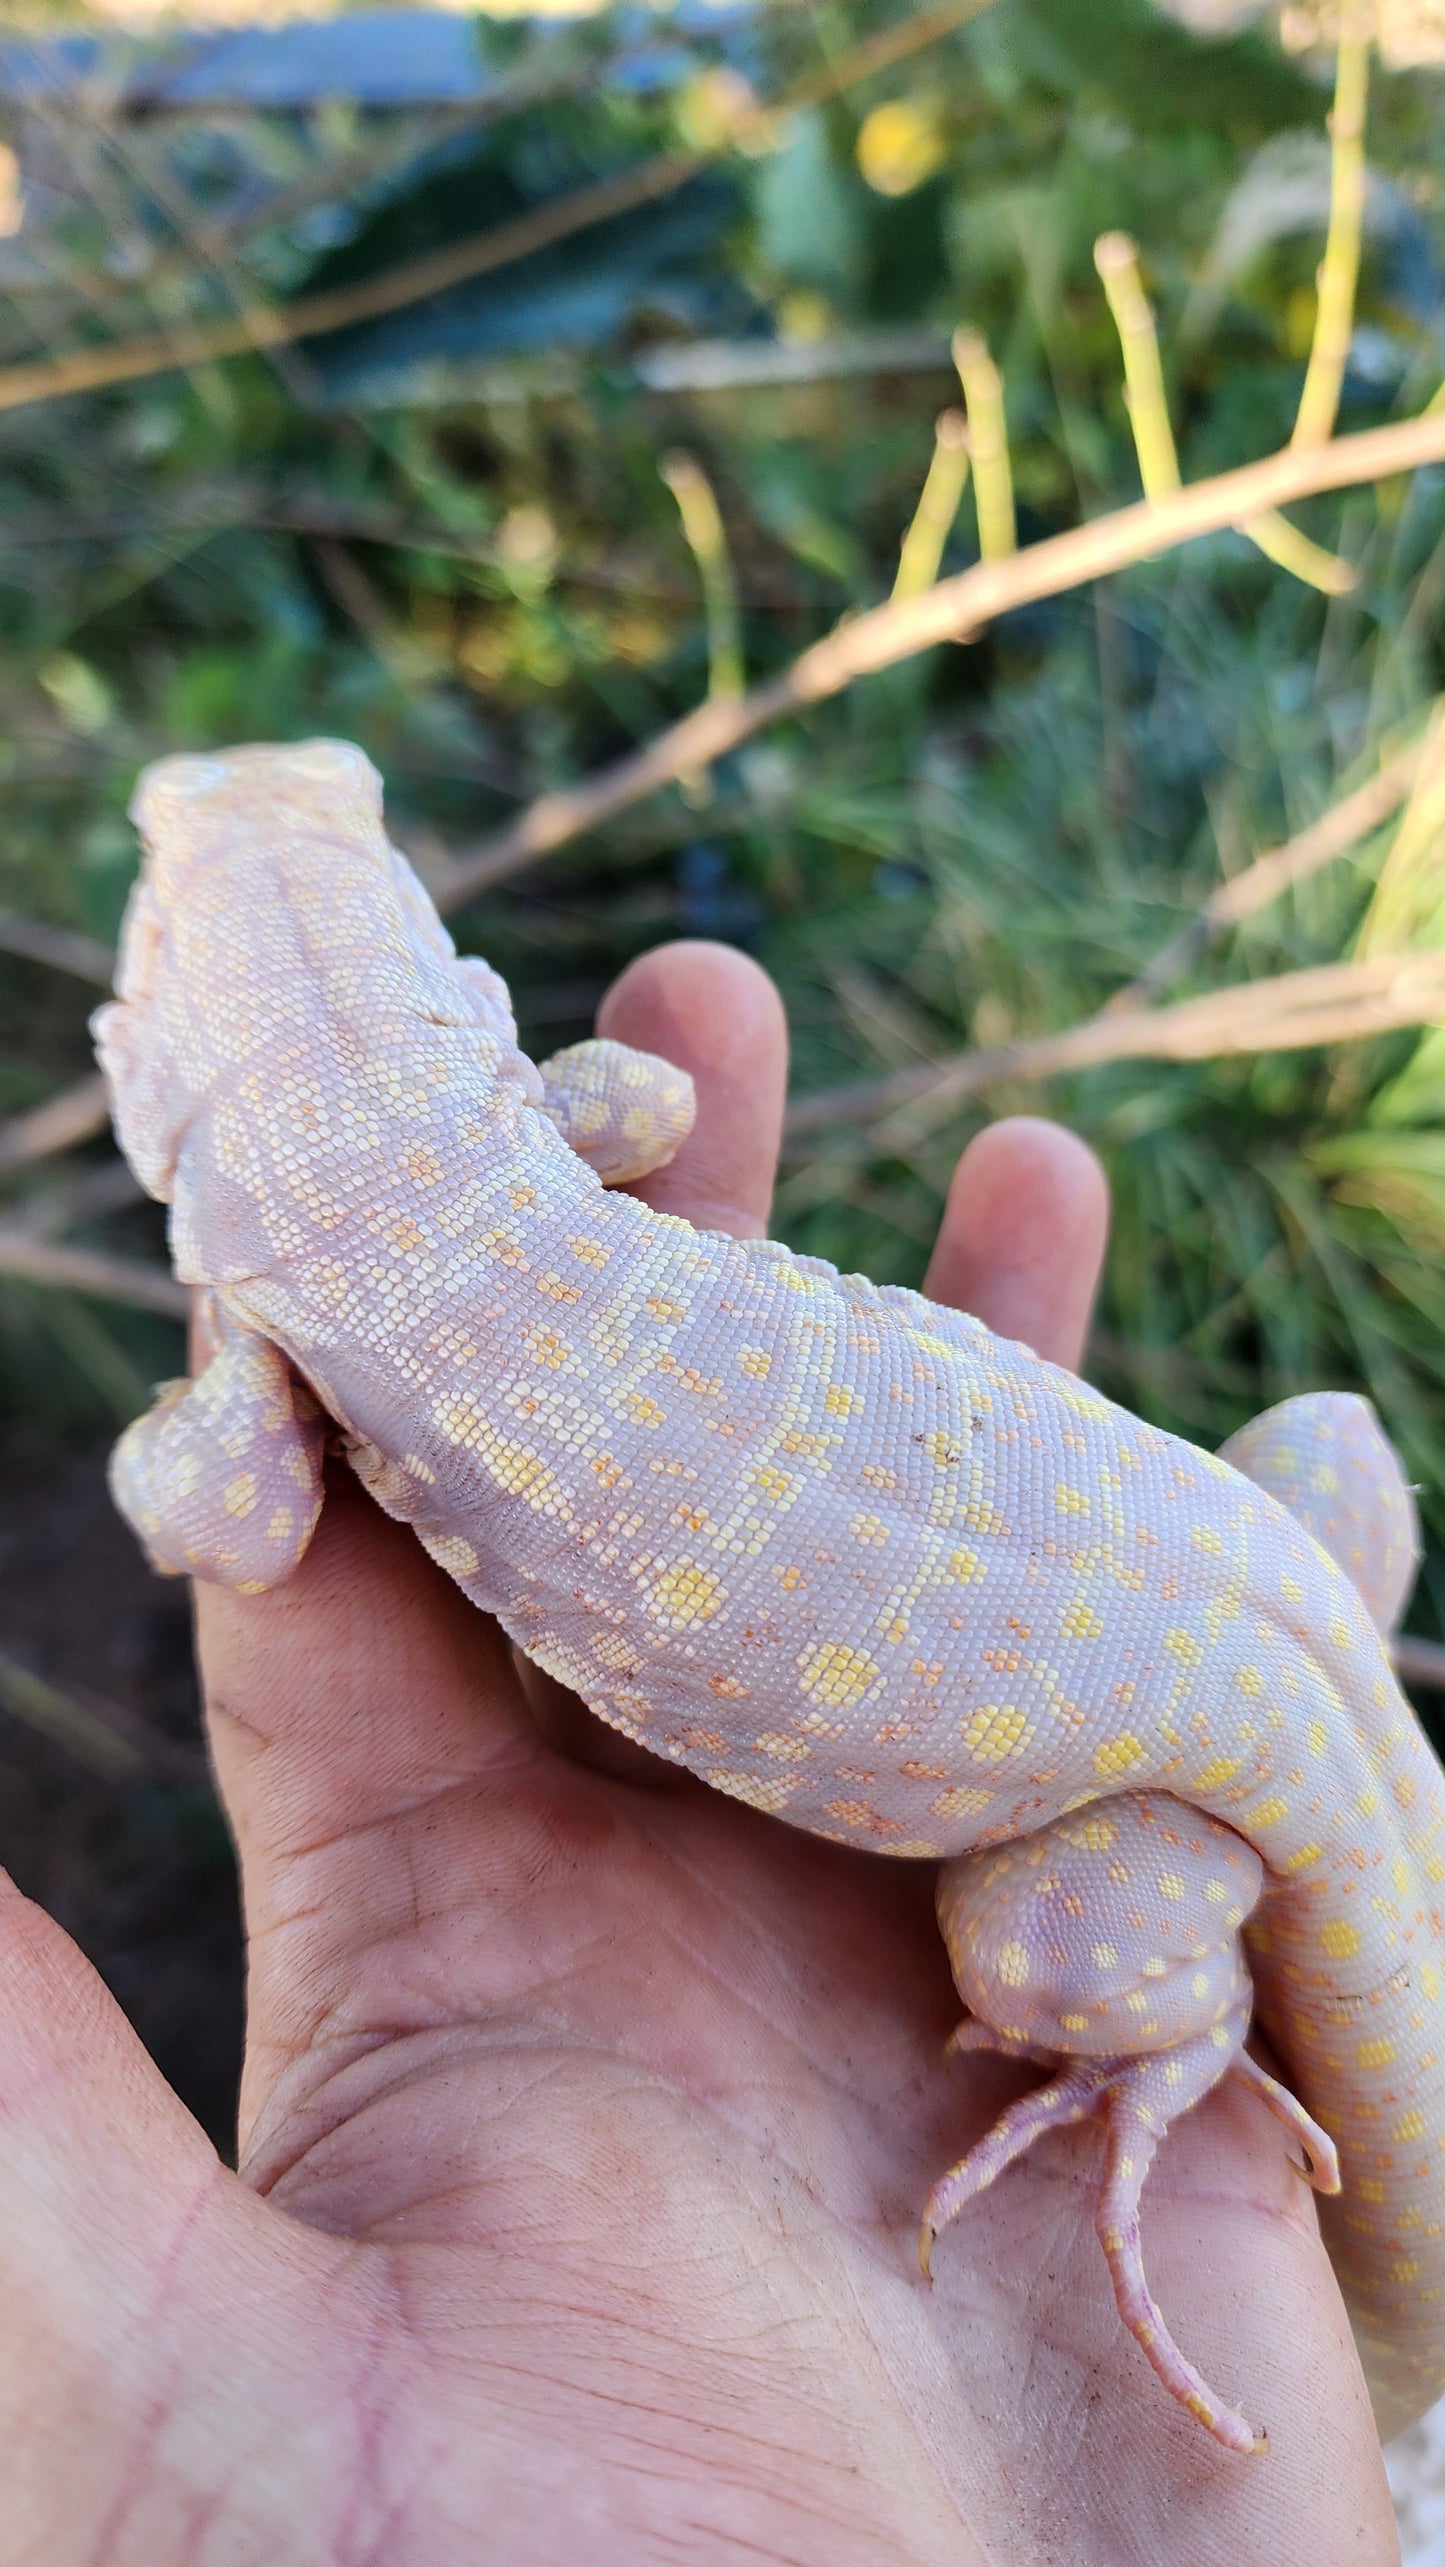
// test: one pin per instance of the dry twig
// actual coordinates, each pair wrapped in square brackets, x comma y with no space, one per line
[1336,831]
[954,608]
[1335,1003]
[91,1271]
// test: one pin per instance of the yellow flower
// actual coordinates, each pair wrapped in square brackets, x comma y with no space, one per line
[899,146]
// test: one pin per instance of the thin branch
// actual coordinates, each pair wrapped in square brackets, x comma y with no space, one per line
[1338,283]
[89,1270]
[1420,1662]
[1340,268]
[74,1115]
[68,1723]
[993,487]
[1116,257]
[956,607]
[1277,870]
[64,949]
[1407,897]
[921,550]
[263,326]
[103,1735]
[1335,1003]
[707,541]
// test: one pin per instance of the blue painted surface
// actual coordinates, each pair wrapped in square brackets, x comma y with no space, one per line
[379,58]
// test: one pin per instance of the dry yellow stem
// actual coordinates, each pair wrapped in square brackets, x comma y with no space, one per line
[988,446]
[922,547]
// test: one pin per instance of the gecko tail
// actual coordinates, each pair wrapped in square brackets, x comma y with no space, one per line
[1326,1457]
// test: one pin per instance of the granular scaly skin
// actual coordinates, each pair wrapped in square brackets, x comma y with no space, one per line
[844,1553]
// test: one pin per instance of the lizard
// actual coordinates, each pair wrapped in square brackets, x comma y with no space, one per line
[841,1551]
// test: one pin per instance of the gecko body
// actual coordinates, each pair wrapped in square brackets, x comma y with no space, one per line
[841,1551]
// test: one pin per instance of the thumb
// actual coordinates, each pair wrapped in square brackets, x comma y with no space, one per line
[141,2345]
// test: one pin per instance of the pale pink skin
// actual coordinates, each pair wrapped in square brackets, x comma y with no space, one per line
[855,1561]
[584,2174]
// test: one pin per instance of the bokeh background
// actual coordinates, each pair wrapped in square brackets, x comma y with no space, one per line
[445,531]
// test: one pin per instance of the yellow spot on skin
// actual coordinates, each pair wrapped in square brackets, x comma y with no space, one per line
[839,1401]
[1136,2002]
[1183,1646]
[644,1411]
[755,1363]
[279,1523]
[1012,1965]
[686,1595]
[788,1751]
[1103,1956]
[965,1566]
[1316,1737]
[1405,2269]
[1199,1984]
[1119,1755]
[1339,1938]
[1411,2125]
[1368,1802]
[1070,1501]
[1220,1771]
[1173,2073]
[240,1494]
[1092,1835]
[961,1802]
[1249,1680]
[1377,2052]
[1268,1814]
[1204,1538]
[870,1529]
[1073,2023]
[1291,1590]
[1171,1886]
[837,1675]
[996,1730]
[770,1795]
[1219,2036]
[455,1555]
[1307,1856]
[1081,1622]
[1153,1968]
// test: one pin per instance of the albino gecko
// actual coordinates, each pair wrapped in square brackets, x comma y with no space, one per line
[843,1552]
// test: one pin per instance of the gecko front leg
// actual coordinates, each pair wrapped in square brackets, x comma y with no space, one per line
[625,1112]
[222,1478]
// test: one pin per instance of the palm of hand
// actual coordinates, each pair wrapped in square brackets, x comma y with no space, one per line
[587,2120]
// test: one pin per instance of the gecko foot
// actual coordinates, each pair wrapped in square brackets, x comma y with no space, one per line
[1137,2099]
[221,1479]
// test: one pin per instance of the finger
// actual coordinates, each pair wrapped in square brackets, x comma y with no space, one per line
[715,1013]
[1023,1235]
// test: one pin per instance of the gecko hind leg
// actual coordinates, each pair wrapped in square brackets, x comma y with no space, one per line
[1137,2099]
[221,1479]
[625,1112]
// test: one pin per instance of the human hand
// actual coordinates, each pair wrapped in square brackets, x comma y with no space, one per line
[588,2116]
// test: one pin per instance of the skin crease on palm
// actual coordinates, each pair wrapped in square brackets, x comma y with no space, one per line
[587,2117]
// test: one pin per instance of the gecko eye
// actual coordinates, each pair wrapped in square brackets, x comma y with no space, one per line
[326,759]
[184,779]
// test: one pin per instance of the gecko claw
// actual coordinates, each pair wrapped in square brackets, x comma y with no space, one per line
[926,2237]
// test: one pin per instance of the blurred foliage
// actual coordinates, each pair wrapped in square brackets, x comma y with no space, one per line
[446,536]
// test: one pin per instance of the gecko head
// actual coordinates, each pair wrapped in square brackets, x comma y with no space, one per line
[231,842]
[219,810]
